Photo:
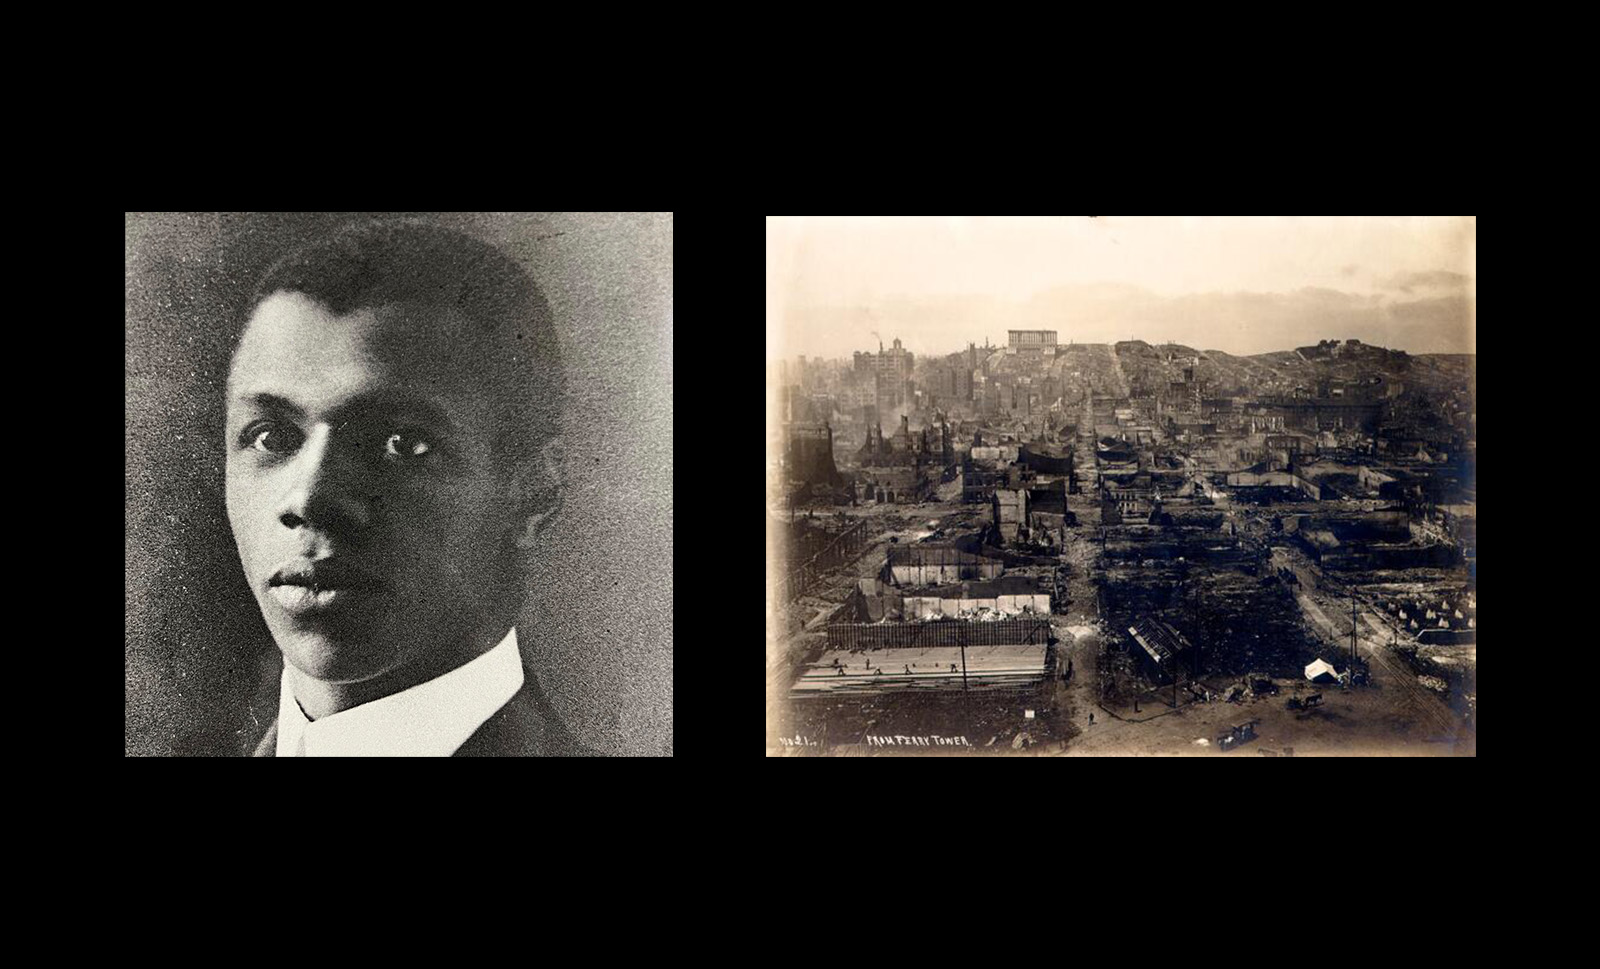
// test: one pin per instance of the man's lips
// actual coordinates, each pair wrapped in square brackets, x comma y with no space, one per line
[324,574]
[309,590]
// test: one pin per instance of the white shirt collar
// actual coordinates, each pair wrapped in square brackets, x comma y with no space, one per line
[430,719]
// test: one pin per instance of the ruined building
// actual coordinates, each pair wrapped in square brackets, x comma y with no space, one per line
[904,467]
[810,455]
[890,371]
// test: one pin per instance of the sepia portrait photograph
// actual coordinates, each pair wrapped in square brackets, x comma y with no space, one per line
[399,484]
[1115,486]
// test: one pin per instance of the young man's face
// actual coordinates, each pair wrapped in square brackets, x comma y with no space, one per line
[370,515]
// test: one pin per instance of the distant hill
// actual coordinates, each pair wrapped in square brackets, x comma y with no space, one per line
[1132,367]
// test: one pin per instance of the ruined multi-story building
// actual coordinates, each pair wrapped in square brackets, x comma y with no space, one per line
[891,373]
[810,454]
[904,466]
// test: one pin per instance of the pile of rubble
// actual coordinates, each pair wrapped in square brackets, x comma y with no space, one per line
[1434,683]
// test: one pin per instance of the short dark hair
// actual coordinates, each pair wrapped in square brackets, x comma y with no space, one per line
[374,263]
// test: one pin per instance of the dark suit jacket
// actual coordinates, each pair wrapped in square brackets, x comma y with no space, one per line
[525,727]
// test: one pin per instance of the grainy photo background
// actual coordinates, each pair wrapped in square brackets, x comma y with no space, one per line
[202,670]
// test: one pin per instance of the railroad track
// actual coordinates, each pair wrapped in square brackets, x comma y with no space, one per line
[1397,672]
[1423,698]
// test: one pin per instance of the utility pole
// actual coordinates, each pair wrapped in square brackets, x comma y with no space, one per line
[1352,632]
[966,698]
[963,661]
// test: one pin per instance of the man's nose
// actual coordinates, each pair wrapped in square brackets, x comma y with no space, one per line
[325,491]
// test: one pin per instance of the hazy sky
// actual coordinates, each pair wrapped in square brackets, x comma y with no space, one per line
[1239,284]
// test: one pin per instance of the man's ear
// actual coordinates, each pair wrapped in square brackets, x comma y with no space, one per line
[540,487]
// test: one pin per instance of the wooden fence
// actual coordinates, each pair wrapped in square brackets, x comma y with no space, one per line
[920,635]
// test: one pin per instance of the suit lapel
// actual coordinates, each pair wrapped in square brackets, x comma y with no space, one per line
[527,726]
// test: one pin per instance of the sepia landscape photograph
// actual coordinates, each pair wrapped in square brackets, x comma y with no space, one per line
[1122,486]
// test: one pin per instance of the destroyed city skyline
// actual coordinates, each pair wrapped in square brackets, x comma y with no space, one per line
[1242,286]
[1190,519]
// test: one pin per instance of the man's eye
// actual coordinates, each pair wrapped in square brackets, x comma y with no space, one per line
[273,439]
[403,447]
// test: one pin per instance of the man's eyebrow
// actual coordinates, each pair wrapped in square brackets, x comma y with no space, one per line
[384,402]
[269,402]
[376,402]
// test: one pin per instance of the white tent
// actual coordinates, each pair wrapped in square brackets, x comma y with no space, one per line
[1320,669]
